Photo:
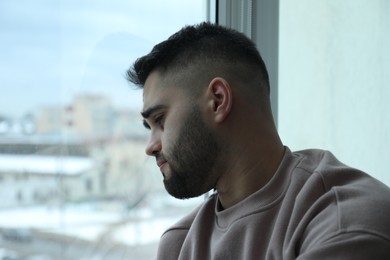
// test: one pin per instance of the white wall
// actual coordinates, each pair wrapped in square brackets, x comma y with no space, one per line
[334,80]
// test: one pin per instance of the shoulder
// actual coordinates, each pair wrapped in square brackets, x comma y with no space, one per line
[322,166]
[316,160]
[342,203]
[186,222]
[350,187]
[173,238]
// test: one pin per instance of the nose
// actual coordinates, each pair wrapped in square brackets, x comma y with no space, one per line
[153,146]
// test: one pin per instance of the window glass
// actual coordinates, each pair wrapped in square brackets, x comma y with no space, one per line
[74,180]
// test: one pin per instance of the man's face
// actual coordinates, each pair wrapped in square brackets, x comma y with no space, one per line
[186,149]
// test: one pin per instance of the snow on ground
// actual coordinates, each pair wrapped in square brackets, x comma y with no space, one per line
[90,222]
[75,221]
[44,164]
[144,232]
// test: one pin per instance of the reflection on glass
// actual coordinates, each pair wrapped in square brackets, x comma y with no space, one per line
[74,180]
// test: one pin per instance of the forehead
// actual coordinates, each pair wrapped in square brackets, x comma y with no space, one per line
[150,86]
[160,90]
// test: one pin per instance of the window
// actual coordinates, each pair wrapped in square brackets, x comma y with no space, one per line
[69,117]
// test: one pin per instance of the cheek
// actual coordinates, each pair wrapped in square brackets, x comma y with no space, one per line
[173,128]
[168,139]
[170,133]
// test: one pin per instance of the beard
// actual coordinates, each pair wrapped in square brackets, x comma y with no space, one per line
[192,159]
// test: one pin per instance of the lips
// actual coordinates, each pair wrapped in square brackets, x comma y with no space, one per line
[160,163]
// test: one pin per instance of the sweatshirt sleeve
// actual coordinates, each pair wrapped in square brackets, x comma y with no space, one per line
[349,246]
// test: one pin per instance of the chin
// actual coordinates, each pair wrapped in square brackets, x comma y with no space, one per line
[180,193]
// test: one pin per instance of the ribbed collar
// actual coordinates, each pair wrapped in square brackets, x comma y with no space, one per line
[263,199]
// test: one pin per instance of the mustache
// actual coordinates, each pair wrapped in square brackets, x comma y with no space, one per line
[160,157]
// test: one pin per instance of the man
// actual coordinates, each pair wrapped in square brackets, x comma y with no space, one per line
[206,103]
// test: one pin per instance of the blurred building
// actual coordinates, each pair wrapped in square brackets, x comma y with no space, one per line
[47,169]
[35,179]
[87,150]
[86,115]
[90,114]
[49,119]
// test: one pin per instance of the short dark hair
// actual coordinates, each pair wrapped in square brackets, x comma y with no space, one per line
[214,48]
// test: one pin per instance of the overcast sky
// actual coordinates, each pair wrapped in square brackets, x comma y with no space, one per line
[52,50]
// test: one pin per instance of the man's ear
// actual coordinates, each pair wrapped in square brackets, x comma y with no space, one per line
[220,99]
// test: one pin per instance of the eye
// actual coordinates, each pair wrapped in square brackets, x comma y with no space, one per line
[159,120]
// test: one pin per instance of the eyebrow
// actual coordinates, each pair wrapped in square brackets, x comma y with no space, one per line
[146,114]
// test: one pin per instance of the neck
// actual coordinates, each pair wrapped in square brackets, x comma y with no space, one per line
[252,161]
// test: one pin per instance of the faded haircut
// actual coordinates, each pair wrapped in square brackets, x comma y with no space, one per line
[201,52]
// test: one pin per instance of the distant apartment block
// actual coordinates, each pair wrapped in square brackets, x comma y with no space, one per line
[36,179]
[45,170]
[90,114]
[86,150]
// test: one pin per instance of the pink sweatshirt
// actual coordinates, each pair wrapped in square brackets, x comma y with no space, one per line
[313,208]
